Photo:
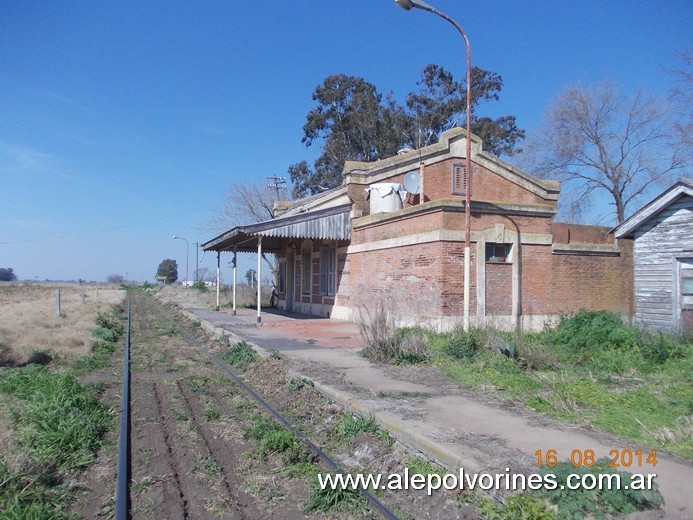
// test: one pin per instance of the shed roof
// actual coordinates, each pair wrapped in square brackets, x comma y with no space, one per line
[326,224]
[684,186]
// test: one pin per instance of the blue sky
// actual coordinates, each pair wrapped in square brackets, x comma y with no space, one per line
[123,123]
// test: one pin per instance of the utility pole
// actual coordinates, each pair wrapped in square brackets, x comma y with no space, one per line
[276,183]
[197,259]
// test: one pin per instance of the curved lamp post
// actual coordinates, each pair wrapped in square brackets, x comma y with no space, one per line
[187,246]
[419,4]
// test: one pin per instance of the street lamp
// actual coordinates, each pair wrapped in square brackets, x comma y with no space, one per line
[186,258]
[419,4]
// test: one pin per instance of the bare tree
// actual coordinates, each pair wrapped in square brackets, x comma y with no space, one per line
[596,140]
[247,203]
[682,95]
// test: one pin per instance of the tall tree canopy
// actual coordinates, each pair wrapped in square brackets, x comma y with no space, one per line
[7,274]
[595,139]
[168,270]
[354,122]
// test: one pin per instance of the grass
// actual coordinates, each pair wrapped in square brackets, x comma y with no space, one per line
[108,333]
[332,500]
[240,355]
[590,369]
[350,425]
[28,320]
[270,437]
[59,426]
[60,421]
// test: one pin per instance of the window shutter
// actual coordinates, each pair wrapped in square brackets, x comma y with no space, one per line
[459,178]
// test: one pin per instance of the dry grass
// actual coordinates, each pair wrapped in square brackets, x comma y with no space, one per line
[28,321]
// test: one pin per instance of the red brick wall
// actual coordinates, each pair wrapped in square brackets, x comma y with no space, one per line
[408,278]
[486,185]
[499,289]
[437,184]
[556,284]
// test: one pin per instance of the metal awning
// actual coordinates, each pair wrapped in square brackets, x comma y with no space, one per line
[326,224]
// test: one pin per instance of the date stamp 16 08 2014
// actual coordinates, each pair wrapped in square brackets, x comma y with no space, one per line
[587,458]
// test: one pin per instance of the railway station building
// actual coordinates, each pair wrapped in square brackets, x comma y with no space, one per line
[393,234]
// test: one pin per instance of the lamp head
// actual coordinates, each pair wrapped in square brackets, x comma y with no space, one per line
[174,236]
[419,4]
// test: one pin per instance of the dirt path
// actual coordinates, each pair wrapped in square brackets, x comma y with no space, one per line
[191,453]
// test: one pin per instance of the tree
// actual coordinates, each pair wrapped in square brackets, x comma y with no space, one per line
[115,278]
[594,139]
[441,104]
[246,203]
[201,273]
[251,276]
[168,270]
[353,122]
[682,95]
[7,274]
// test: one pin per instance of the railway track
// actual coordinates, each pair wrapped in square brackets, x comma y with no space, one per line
[182,449]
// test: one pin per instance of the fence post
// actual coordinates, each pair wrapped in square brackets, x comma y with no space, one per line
[57,302]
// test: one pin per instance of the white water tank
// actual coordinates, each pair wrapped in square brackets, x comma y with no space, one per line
[386,197]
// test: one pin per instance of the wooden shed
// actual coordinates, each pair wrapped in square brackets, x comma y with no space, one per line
[662,233]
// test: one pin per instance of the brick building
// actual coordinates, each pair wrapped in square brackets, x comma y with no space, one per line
[372,241]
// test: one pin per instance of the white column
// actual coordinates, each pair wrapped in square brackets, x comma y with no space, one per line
[259,276]
[235,260]
[218,276]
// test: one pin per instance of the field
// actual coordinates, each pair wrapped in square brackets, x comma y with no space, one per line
[29,323]
[201,448]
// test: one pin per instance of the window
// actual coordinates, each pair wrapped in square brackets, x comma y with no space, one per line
[687,285]
[497,252]
[328,269]
[282,277]
[306,281]
[459,178]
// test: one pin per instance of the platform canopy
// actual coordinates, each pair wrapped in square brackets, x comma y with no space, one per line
[326,224]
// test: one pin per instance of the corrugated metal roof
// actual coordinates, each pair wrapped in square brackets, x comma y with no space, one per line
[326,224]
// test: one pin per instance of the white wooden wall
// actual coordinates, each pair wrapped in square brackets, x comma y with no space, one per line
[658,243]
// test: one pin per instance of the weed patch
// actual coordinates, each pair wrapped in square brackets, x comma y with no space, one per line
[240,355]
[598,503]
[271,437]
[331,500]
[60,425]
[350,425]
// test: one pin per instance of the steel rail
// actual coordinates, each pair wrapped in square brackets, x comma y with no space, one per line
[314,448]
[122,505]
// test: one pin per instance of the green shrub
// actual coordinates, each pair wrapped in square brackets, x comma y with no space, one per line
[597,503]
[586,332]
[658,348]
[464,345]
[200,286]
